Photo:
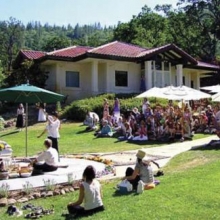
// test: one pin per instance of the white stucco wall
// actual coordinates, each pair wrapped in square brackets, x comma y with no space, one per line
[106,77]
[51,81]
[134,75]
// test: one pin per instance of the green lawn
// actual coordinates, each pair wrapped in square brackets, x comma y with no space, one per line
[73,139]
[188,190]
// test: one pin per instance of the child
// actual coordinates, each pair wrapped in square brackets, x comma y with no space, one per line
[90,192]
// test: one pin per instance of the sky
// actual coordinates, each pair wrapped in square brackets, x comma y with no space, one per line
[64,12]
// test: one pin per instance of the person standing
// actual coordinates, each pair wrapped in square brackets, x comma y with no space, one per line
[145,105]
[53,128]
[105,109]
[116,108]
[20,117]
[41,112]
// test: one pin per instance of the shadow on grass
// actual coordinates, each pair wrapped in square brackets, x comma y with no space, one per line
[119,194]
[212,145]
[147,142]
[84,131]
[10,133]
[70,217]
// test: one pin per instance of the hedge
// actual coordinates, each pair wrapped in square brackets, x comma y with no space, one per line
[76,111]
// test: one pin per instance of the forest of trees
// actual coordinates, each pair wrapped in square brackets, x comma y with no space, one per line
[194,26]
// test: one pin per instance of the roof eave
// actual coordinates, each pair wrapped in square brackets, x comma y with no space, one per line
[112,57]
[202,68]
[166,48]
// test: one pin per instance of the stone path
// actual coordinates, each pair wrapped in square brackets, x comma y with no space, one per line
[167,152]
[161,154]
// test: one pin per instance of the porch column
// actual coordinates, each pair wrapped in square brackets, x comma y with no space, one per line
[170,74]
[189,79]
[107,78]
[94,76]
[197,80]
[163,82]
[179,74]
[148,74]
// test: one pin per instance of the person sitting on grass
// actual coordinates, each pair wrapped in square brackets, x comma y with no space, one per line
[141,135]
[90,193]
[142,171]
[127,133]
[50,158]
[92,123]
[106,130]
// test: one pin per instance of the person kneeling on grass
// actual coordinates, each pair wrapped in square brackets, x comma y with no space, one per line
[50,158]
[90,192]
[106,130]
[142,171]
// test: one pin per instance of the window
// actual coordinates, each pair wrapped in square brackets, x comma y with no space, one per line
[72,79]
[121,78]
[158,65]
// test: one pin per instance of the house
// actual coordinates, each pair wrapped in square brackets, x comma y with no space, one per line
[117,67]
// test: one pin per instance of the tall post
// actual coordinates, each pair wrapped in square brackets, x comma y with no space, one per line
[26,124]
[148,74]
[179,74]
[197,80]
[94,76]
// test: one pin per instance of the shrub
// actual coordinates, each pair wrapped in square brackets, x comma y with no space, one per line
[77,110]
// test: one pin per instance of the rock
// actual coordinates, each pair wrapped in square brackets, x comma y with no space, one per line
[43,194]
[11,201]
[31,197]
[22,200]
[66,190]
[62,192]
[71,189]
[36,195]
[49,194]
[56,192]
[3,202]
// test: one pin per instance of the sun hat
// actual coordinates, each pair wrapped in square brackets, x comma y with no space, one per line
[140,154]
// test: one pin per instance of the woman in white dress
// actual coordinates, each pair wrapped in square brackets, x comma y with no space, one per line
[41,113]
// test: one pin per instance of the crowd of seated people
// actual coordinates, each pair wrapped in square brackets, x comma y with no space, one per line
[170,123]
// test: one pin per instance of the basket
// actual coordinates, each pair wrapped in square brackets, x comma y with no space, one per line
[4,175]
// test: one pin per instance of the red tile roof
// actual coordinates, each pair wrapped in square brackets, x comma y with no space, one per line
[70,52]
[152,50]
[32,55]
[115,49]
[118,49]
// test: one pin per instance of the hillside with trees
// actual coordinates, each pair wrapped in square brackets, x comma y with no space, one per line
[194,26]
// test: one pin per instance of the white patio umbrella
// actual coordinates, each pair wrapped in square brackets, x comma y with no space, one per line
[215,88]
[153,92]
[216,97]
[184,93]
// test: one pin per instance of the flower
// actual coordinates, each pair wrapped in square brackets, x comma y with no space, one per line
[2,146]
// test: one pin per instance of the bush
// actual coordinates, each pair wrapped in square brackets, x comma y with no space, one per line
[77,110]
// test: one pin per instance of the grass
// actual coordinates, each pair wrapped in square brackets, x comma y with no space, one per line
[73,139]
[188,190]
